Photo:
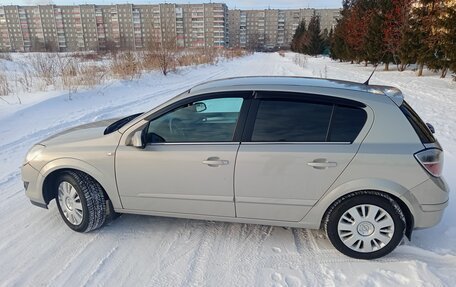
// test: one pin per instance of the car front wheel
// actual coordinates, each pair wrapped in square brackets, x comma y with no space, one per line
[80,201]
[365,225]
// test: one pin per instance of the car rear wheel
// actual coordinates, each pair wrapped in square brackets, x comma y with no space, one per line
[365,225]
[80,201]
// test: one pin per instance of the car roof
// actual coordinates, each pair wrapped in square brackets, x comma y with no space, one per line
[265,83]
[261,82]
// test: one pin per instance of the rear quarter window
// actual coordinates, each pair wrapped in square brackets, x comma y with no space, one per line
[417,123]
[346,123]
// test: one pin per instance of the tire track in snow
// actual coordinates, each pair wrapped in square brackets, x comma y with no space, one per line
[74,258]
[196,273]
[91,279]
[176,246]
[245,252]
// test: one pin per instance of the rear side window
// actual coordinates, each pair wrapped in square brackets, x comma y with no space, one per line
[417,123]
[290,121]
[297,121]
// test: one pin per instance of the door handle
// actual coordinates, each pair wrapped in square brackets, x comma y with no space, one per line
[215,162]
[322,163]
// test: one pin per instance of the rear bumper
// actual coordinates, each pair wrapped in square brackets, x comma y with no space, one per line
[429,215]
[30,177]
[429,200]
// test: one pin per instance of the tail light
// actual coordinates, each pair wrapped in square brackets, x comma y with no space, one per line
[431,160]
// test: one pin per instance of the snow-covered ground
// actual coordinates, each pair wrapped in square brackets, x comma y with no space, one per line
[36,247]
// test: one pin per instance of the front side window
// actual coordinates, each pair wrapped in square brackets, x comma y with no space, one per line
[212,120]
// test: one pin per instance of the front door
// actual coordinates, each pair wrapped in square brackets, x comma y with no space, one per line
[295,148]
[187,166]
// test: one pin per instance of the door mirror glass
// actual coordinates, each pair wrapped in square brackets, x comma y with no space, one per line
[200,107]
[137,139]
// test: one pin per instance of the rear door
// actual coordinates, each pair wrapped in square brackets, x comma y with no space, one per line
[294,147]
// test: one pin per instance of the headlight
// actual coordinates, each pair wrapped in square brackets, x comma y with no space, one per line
[33,153]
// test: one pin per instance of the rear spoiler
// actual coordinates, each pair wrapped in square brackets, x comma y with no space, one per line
[393,93]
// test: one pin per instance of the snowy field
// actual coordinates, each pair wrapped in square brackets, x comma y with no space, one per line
[36,247]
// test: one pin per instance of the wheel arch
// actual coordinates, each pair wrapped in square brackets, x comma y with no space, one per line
[48,189]
[51,171]
[409,219]
[396,191]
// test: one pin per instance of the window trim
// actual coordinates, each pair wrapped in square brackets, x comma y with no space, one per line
[297,97]
[306,97]
[245,95]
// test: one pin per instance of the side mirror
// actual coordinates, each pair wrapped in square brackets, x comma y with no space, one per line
[431,128]
[138,139]
[200,107]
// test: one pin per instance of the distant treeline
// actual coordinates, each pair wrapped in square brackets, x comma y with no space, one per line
[399,32]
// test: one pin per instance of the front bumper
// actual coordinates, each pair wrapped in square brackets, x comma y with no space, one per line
[30,177]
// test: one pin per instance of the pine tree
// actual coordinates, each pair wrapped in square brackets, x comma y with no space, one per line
[296,43]
[357,27]
[395,27]
[443,37]
[450,38]
[374,47]
[315,44]
[410,43]
[424,26]
[338,44]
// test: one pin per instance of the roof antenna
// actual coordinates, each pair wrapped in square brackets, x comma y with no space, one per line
[367,82]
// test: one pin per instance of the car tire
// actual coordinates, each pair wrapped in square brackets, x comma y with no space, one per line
[80,200]
[365,224]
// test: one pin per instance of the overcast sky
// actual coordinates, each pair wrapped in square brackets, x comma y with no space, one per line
[243,4]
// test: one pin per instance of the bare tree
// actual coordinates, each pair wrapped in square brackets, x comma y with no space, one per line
[4,85]
[51,46]
[110,46]
[126,66]
[44,67]
[254,41]
[37,45]
[161,53]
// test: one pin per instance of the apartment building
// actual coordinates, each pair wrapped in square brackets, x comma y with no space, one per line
[136,27]
[125,26]
[272,28]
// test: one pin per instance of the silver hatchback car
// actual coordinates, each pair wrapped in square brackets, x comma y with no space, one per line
[353,159]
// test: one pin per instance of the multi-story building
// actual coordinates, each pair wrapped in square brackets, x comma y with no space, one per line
[272,28]
[136,27]
[125,26]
